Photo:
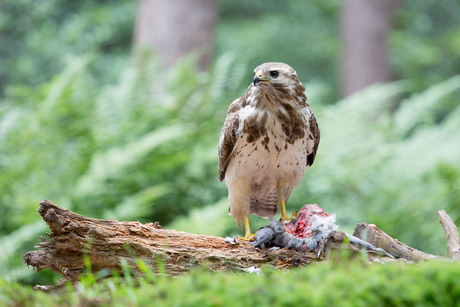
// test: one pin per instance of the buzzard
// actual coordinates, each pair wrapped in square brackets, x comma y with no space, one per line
[269,137]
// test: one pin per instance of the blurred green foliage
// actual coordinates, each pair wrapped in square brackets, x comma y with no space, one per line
[424,46]
[105,136]
[39,38]
[304,36]
[327,284]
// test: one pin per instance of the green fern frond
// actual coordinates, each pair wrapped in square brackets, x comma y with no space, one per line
[423,107]
[105,165]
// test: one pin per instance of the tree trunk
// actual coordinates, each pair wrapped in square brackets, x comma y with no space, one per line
[174,28]
[365,25]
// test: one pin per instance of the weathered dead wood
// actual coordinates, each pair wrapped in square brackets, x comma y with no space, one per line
[452,237]
[373,235]
[108,242]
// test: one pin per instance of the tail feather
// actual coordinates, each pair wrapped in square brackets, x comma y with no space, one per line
[266,206]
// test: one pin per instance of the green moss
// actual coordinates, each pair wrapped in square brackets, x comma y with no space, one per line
[325,284]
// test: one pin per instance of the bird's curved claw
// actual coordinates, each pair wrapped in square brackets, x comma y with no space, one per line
[247,237]
[284,219]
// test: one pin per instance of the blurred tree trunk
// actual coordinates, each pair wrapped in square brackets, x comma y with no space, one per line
[365,24]
[174,28]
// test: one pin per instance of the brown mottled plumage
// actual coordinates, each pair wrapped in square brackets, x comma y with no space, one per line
[269,136]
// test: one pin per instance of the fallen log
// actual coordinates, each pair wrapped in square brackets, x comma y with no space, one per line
[107,242]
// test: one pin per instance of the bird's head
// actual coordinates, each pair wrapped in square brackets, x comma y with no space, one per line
[279,74]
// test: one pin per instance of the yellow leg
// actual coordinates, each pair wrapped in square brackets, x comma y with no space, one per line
[249,236]
[284,217]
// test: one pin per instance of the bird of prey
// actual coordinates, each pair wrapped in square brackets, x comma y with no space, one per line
[269,137]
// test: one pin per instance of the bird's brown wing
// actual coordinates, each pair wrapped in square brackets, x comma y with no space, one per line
[314,129]
[228,136]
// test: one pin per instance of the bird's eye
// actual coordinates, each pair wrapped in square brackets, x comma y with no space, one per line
[274,73]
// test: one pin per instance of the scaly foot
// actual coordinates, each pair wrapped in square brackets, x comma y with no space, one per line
[249,236]
[294,215]
[284,217]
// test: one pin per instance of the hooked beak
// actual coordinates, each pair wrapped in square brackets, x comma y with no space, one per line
[258,78]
